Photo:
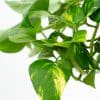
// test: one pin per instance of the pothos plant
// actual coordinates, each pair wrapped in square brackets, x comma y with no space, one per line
[49,76]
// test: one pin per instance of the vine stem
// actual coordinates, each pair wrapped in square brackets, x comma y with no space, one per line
[90,25]
[93,38]
[77,78]
[48,27]
[44,35]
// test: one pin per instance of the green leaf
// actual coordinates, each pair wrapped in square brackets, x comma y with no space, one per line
[74,16]
[21,36]
[33,51]
[90,6]
[47,78]
[97,46]
[73,1]
[96,16]
[60,11]
[14,39]
[66,66]
[4,34]
[98,60]
[97,3]
[15,32]
[37,6]
[79,54]
[54,36]
[46,52]
[10,47]
[87,6]
[21,6]
[80,36]
[89,79]
[54,5]
[35,21]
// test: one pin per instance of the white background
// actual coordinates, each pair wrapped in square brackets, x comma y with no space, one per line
[15,83]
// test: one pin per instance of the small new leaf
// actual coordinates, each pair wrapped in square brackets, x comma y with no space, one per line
[80,36]
[89,79]
[74,16]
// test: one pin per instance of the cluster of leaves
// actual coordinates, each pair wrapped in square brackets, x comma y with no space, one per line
[49,76]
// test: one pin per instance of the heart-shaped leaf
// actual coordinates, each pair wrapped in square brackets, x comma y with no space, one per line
[89,79]
[47,78]
[10,47]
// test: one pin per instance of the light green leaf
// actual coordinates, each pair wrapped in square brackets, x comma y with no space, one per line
[80,36]
[47,78]
[35,19]
[4,34]
[17,34]
[34,51]
[21,37]
[54,5]
[21,6]
[89,79]
[36,23]
[38,13]
[10,47]
[37,6]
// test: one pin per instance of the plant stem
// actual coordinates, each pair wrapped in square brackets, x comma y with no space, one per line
[48,27]
[77,78]
[44,35]
[90,25]
[93,38]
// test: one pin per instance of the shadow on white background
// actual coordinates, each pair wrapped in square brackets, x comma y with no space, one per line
[15,83]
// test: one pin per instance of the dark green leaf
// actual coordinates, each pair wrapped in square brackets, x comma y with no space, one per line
[98,60]
[66,67]
[47,78]
[10,47]
[96,16]
[89,79]
[80,55]
[97,46]
[54,36]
